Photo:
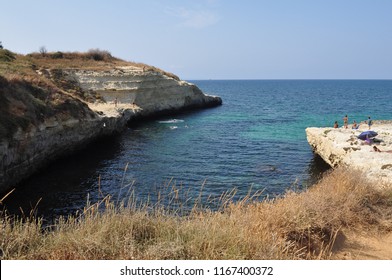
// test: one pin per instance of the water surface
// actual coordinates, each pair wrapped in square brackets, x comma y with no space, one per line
[256,139]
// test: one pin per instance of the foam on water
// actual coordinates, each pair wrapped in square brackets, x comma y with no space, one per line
[171,121]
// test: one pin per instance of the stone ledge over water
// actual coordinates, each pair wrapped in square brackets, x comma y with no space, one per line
[341,147]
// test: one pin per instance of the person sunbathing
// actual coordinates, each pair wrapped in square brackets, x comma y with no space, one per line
[376,149]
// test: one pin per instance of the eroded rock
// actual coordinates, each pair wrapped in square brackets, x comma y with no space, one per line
[342,147]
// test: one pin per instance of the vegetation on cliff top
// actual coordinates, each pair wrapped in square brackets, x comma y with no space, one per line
[94,59]
[33,87]
[303,225]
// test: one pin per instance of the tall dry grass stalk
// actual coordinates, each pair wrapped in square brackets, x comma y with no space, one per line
[294,226]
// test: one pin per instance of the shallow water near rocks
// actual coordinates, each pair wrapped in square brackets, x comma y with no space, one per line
[255,140]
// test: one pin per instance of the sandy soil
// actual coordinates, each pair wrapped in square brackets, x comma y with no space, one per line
[364,247]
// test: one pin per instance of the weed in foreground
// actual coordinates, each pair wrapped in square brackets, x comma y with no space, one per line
[294,226]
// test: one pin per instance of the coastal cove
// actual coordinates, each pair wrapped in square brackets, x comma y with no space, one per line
[255,140]
[178,137]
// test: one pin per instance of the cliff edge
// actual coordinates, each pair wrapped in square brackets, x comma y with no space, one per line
[53,103]
[341,147]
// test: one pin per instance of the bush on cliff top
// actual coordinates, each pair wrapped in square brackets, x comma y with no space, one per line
[6,55]
[94,59]
[99,55]
[92,54]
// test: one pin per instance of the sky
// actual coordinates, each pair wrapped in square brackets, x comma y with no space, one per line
[215,39]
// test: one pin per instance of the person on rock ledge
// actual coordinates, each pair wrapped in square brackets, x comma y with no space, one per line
[345,121]
[369,122]
[336,125]
[355,125]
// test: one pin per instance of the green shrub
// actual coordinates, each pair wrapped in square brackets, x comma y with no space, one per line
[57,55]
[6,55]
[98,55]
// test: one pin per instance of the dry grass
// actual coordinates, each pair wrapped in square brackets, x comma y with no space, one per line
[294,226]
[25,66]
[94,59]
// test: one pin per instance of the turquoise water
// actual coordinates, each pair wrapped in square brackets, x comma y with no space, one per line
[256,139]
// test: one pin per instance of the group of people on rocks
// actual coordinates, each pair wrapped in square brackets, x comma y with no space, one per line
[355,125]
[368,140]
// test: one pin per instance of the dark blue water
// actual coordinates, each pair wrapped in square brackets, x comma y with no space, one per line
[255,140]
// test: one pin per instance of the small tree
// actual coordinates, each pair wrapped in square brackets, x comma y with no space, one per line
[43,50]
[1,45]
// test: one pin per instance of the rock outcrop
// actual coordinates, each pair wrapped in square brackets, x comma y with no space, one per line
[341,147]
[136,92]
[153,92]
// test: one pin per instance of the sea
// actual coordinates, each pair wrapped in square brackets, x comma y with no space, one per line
[254,143]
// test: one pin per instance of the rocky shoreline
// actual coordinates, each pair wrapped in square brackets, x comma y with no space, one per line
[341,147]
[126,94]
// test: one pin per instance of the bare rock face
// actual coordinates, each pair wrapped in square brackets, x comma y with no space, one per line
[28,151]
[341,147]
[152,92]
[129,92]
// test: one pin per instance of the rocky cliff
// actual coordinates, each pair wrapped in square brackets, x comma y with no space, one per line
[341,147]
[152,92]
[49,112]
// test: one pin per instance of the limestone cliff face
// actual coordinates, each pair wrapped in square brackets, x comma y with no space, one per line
[153,92]
[27,151]
[139,94]
[341,147]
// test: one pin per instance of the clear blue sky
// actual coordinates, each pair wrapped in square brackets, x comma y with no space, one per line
[215,39]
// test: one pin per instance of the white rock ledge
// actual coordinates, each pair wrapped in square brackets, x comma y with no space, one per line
[341,147]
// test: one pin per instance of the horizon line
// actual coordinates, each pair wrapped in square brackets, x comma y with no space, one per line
[290,79]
